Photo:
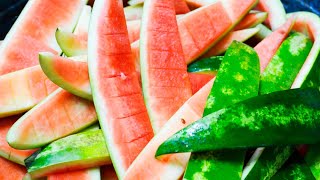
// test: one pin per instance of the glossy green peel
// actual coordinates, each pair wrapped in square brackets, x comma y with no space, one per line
[206,65]
[278,75]
[82,150]
[281,112]
[239,68]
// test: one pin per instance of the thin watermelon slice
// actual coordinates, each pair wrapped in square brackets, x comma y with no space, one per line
[78,83]
[86,174]
[251,20]
[73,44]
[268,47]
[58,115]
[30,35]
[133,30]
[165,82]
[67,73]
[221,16]
[194,4]
[309,24]
[23,89]
[263,33]
[171,166]
[224,43]
[194,37]
[199,80]
[276,13]
[181,6]
[133,12]
[17,156]
[117,94]
[10,170]
[83,23]
[79,151]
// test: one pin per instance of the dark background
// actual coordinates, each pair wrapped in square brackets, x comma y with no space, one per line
[10,9]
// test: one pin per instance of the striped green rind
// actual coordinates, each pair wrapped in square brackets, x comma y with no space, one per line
[239,76]
[225,164]
[313,159]
[280,112]
[285,65]
[267,163]
[206,65]
[294,169]
[82,150]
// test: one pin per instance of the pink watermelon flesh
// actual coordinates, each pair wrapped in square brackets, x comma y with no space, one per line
[165,81]
[76,80]
[276,12]
[251,20]
[169,166]
[219,18]
[83,23]
[10,170]
[225,42]
[180,6]
[58,115]
[309,24]
[115,85]
[17,156]
[23,89]
[30,35]
[199,80]
[133,30]
[268,46]
[194,26]
[69,74]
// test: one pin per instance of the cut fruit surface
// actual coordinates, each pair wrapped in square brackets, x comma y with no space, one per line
[30,35]
[42,124]
[252,19]
[276,12]
[117,94]
[195,38]
[71,44]
[170,166]
[83,23]
[165,82]
[67,74]
[224,43]
[17,156]
[10,170]
[79,85]
[180,6]
[133,12]
[134,30]
[268,46]
[22,90]
[221,17]
[79,151]
[86,174]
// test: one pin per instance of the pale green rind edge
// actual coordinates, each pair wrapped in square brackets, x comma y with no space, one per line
[46,63]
